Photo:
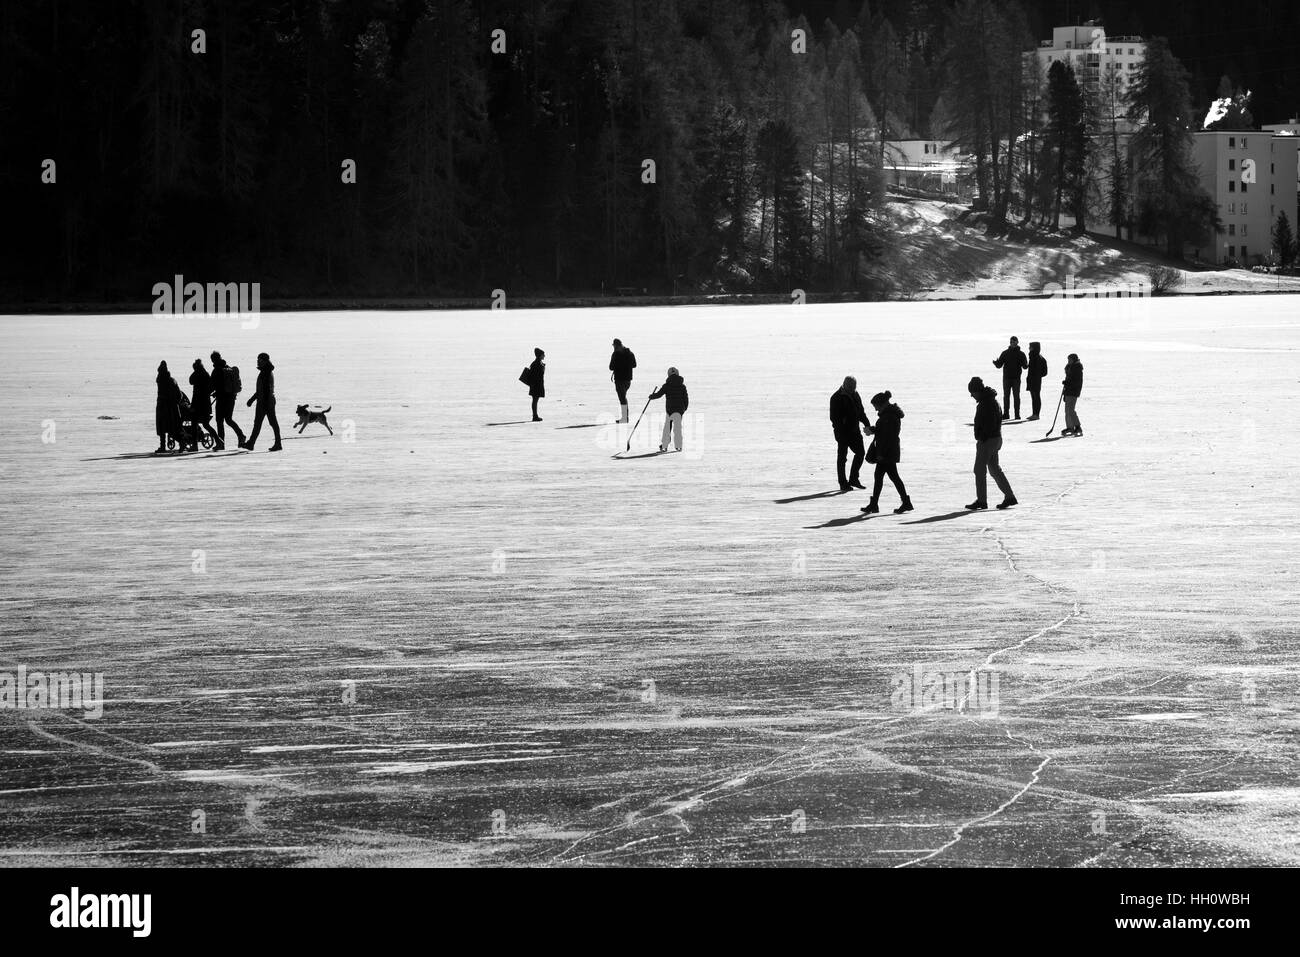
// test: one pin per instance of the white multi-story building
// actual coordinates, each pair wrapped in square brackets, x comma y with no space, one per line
[1094,57]
[1253,176]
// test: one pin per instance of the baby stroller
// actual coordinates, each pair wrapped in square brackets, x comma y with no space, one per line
[191,434]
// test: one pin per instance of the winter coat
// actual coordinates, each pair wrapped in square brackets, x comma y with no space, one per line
[537,379]
[1037,369]
[621,363]
[266,387]
[1011,362]
[201,400]
[1073,378]
[846,413]
[988,415]
[167,413]
[889,422]
[674,395]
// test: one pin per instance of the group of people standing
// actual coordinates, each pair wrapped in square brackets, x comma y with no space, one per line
[622,362]
[220,387]
[885,452]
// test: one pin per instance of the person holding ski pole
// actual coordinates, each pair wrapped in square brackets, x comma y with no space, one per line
[621,364]
[1034,378]
[988,441]
[1073,387]
[1011,362]
[846,414]
[889,423]
[676,401]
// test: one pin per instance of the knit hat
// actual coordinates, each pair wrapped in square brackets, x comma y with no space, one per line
[975,383]
[880,398]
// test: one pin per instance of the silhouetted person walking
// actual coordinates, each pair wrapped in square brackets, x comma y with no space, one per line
[537,380]
[1073,387]
[889,424]
[201,405]
[167,413]
[1034,378]
[621,364]
[264,396]
[225,387]
[846,415]
[1011,362]
[676,401]
[988,441]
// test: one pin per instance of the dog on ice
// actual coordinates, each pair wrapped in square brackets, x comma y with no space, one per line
[307,416]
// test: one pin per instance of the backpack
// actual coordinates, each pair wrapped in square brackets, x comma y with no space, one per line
[233,384]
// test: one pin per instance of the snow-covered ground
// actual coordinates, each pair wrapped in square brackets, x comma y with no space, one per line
[937,257]
[446,634]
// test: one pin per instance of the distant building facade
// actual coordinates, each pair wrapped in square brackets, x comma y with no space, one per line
[1252,175]
[1094,57]
[930,165]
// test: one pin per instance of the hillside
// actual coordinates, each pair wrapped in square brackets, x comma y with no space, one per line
[936,256]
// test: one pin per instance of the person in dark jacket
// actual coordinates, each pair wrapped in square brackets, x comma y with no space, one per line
[537,380]
[224,398]
[889,423]
[201,405]
[1072,388]
[676,401]
[846,414]
[1034,379]
[621,364]
[1011,362]
[167,412]
[988,441]
[264,396]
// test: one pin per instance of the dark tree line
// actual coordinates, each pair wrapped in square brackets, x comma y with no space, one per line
[644,143]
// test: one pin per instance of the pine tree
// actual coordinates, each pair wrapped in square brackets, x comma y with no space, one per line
[1284,242]
[1172,202]
[1067,132]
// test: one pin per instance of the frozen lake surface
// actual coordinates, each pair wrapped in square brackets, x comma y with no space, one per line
[449,635]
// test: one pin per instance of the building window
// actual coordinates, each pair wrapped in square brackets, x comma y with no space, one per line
[1245,187]
[1232,142]
[1232,209]
[1232,164]
[1272,189]
[1272,168]
[1232,229]
[1243,142]
[1245,229]
[1244,252]
[1232,250]
[1232,186]
[1244,212]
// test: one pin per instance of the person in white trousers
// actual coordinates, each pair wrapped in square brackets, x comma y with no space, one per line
[676,401]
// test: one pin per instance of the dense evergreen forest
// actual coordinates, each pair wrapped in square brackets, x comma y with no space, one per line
[658,144]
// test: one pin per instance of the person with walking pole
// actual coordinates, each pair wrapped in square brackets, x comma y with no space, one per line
[1011,362]
[1034,378]
[988,442]
[888,451]
[1072,387]
[621,364]
[846,414]
[676,401]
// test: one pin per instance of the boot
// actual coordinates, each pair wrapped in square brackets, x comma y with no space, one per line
[623,420]
[276,448]
[857,483]
[905,507]
[872,507]
[977,505]
[1008,502]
